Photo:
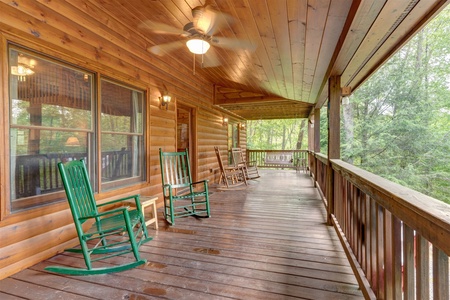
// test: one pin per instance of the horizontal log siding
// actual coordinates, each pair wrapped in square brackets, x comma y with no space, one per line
[103,45]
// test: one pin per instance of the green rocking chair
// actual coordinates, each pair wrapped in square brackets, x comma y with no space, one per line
[117,231]
[182,197]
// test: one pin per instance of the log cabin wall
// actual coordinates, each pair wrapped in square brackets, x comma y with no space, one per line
[104,47]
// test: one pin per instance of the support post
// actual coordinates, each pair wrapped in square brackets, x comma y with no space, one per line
[334,98]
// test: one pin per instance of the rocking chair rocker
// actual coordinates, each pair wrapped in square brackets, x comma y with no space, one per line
[250,167]
[230,177]
[182,197]
[114,232]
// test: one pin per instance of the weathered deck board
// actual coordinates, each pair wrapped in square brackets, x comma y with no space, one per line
[268,241]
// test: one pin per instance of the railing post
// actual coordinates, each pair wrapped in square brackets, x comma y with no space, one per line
[334,99]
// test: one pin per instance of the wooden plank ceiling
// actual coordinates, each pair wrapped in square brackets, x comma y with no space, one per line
[286,49]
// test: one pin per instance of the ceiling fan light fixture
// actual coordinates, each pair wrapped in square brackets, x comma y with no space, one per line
[197,46]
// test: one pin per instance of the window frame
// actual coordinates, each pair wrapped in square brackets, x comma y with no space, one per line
[56,199]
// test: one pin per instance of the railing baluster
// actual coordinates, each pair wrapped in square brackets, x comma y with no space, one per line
[423,267]
[408,262]
[440,275]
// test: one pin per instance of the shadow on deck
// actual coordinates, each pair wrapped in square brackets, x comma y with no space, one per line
[268,241]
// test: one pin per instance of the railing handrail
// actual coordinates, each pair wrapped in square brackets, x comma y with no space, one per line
[417,210]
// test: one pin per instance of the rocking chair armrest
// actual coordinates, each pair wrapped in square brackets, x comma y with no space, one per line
[231,168]
[105,213]
[205,182]
[135,197]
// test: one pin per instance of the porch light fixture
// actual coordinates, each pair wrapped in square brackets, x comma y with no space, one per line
[24,68]
[197,46]
[21,71]
[242,126]
[165,100]
[225,121]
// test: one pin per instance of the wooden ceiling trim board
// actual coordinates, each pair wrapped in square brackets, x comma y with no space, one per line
[228,69]
[241,59]
[333,29]
[297,32]
[320,98]
[422,11]
[280,24]
[379,31]
[263,22]
[316,20]
[243,14]
[247,100]
[363,19]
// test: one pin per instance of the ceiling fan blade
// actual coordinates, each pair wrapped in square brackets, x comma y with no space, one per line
[210,59]
[161,28]
[208,21]
[232,43]
[166,48]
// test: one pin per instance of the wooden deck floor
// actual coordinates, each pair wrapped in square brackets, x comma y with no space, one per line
[268,241]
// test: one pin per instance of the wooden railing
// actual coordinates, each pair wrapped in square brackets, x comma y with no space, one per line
[38,174]
[299,158]
[397,239]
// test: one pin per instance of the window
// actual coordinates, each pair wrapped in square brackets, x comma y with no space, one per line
[53,118]
[233,140]
[122,128]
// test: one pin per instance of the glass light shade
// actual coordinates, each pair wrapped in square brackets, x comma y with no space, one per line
[21,70]
[197,46]
[166,99]
[72,142]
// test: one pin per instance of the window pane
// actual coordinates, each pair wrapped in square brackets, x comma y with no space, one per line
[122,137]
[121,108]
[50,121]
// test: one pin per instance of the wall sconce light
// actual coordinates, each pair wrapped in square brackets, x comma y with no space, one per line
[242,126]
[165,100]
[225,121]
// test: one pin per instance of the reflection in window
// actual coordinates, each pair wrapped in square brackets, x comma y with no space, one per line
[122,139]
[50,121]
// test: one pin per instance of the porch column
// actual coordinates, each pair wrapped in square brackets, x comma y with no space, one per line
[315,128]
[334,98]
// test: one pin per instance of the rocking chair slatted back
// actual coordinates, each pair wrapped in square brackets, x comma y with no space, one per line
[231,177]
[176,170]
[117,230]
[182,197]
[82,202]
[250,167]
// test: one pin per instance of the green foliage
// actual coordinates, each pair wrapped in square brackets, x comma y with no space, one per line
[397,123]
[286,134]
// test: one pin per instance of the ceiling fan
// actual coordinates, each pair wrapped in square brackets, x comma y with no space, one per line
[199,35]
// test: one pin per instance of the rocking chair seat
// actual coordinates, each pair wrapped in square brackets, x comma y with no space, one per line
[250,167]
[182,196]
[230,177]
[114,231]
